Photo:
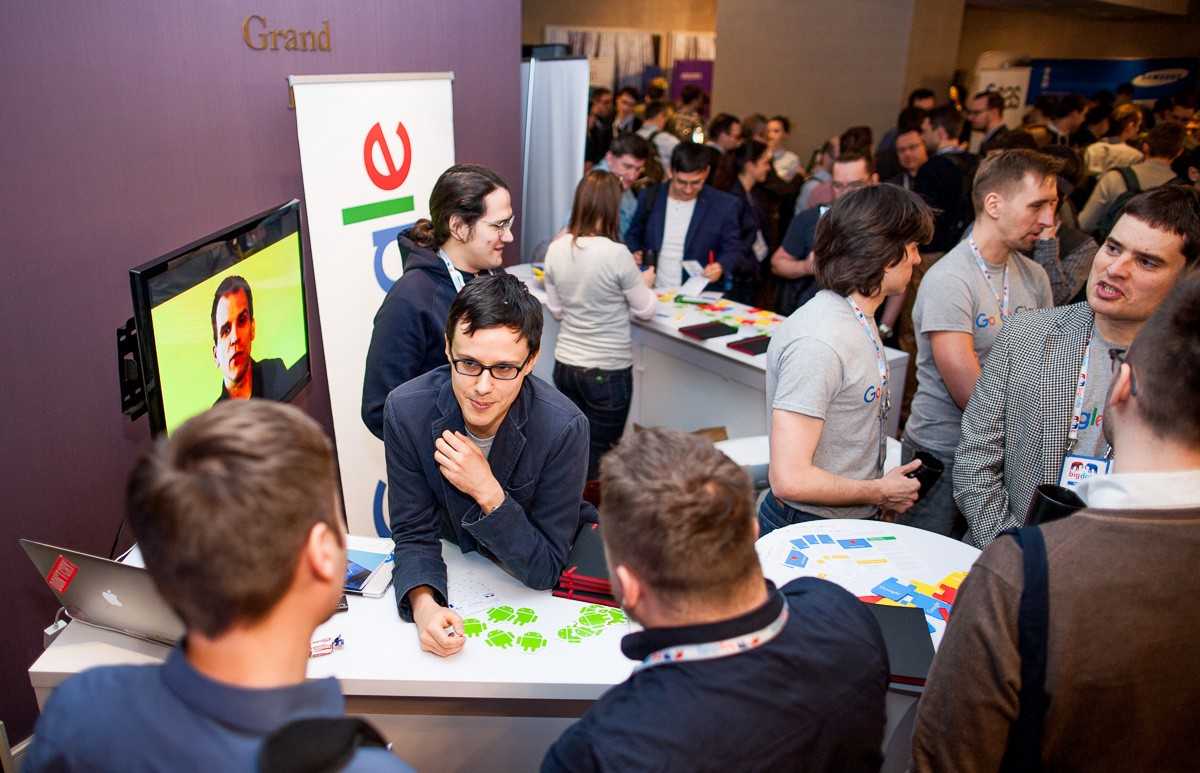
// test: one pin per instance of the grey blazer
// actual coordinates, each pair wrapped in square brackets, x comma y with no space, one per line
[1014,429]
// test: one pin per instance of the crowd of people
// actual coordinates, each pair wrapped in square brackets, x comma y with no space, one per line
[1048,347]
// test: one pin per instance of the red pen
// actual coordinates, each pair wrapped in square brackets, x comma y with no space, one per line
[711,258]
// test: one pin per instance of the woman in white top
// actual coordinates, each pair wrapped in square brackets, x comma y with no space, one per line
[1114,152]
[594,287]
[786,163]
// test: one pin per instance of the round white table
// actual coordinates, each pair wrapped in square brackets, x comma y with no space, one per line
[882,563]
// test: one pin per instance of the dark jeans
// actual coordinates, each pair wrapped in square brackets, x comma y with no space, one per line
[603,396]
[774,514]
[936,511]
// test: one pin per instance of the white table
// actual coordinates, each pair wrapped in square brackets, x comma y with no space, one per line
[912,556]
[483,709]
[753,454]
[686,384]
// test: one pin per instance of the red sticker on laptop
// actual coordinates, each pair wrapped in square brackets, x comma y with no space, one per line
[61,574]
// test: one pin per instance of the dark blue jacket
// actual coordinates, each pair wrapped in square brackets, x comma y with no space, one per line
[716,225]
[410,329]
[172,717]
[810,699]
[539,458]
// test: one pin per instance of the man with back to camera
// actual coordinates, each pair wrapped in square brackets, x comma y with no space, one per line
[484,454]
[1163,145]
[802,681]
[237,518]
[945,180]
[964,300]
[1122,615]
[1065,118]
[828,394]
[684,219]
[626,158]
[793,260]
[242,377]
[1029,418]
[654,131]
[986,114]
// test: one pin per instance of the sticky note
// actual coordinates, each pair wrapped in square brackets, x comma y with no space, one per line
[825,539]
[800,543]
[796,559]
[892,588]
[866,561]
[811,539]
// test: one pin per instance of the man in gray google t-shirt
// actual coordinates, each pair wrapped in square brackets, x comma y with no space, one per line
[963,302]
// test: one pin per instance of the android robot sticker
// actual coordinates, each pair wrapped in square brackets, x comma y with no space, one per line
[501,614]
[524,616]
[473,627]
[498,638]
[532,641]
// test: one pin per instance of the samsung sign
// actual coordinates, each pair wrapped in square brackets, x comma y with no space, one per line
[1151,78]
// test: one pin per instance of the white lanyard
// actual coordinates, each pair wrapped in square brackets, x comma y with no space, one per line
[1001,301]
[455,275]
[1080,390]
[717,649]
[885,393]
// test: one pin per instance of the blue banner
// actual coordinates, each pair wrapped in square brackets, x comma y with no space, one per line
[1151,78]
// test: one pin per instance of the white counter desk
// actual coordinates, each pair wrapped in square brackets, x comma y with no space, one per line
[486,708]
[685,384]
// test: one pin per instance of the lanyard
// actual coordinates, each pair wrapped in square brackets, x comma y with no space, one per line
[717,649]
[455,275]
[885,393]
[1080,390]
[1001,301]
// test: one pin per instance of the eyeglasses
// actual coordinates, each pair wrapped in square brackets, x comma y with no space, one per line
[1118,358]
[503,225]
[850,186]
[504,371]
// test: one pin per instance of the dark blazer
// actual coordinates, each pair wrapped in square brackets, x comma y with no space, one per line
[1015,426]
[716,226]
[539,457]
[993,139]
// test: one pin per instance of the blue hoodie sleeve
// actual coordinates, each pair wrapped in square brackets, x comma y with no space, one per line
[397,354]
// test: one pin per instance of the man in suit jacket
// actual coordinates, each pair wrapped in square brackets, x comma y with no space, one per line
[683,219]
[986,114]
[1024,417]
[482,453]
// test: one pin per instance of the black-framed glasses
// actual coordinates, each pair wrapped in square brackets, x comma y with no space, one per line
[1118,358]
[504,371]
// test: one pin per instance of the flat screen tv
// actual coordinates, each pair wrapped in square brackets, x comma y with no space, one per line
[223,318]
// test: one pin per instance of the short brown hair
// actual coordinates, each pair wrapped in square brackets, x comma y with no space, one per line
[1166,140]
[1122,116]
[1165,358]
[679,513]
[865,232]
[223,507]
[597,207]
[1001,172]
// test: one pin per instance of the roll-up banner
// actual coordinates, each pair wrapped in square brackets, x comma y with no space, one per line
[371,148]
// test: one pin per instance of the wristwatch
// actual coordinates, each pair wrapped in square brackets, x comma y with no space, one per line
[884,330]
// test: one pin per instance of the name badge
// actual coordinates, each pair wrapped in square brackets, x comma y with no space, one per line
[1078,468]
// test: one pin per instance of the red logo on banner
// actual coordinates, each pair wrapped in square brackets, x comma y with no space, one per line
[391,177]
[61,575]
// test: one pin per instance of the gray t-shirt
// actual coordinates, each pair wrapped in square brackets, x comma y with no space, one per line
[821,364]
[1091,440]
[591,278]
[956,297]
[484,443]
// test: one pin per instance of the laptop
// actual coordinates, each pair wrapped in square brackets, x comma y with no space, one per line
[106,594]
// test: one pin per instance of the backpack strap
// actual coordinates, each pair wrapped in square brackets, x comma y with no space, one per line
[1024,750]
[1132,184]
[317,745]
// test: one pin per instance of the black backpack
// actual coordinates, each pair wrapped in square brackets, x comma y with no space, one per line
[1113,213]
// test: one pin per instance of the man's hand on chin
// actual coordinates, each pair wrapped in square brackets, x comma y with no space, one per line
[467,469]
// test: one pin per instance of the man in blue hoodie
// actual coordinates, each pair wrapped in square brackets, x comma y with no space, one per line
[470,223]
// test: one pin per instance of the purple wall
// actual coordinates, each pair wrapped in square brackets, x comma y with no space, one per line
[129,128]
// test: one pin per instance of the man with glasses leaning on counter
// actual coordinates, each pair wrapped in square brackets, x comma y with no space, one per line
[484,454]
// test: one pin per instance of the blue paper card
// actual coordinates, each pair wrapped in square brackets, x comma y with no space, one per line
[811,539]
[851,544]
[893,589]
[797,559]
[825,539]
[799,544]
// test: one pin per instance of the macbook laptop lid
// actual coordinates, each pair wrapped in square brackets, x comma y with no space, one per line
[909,648]
[106,594]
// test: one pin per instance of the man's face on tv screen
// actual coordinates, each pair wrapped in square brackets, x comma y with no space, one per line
[235,334]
